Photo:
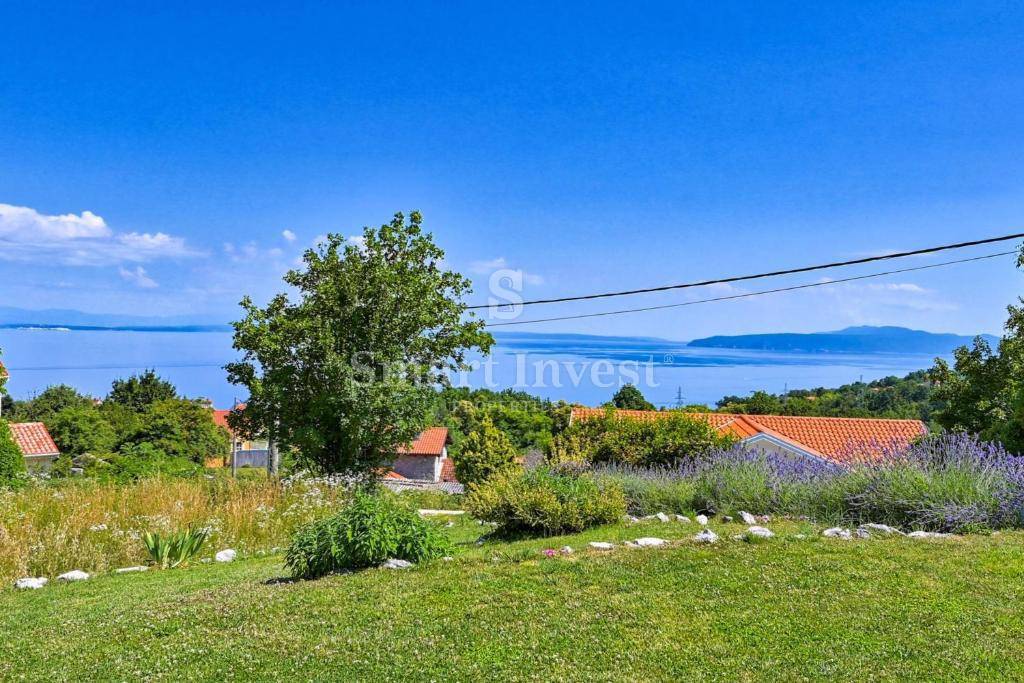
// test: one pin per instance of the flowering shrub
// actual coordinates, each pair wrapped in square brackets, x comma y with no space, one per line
[950,482]
[546,501]
[370,529]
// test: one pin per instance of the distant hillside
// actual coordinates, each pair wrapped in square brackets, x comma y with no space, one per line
[850,340]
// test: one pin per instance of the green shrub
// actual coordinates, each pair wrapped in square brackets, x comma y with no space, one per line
[12,462]
[546,501]
[609,438]
[172,550]
[484,452]
[372,528]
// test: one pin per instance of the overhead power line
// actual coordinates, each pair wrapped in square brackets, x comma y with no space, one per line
[757,276]
[746,295]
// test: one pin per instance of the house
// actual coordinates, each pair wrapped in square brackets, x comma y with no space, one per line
[426,458]
[35,443]
[826,438]
[244,452]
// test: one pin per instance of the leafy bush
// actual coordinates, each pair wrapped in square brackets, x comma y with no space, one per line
[546,501]
[611,439]
[485,452]
[12,462]
[172,550]
[372,528]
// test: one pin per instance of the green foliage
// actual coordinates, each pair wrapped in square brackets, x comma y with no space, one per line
[983,393]
[628,397]
[890,397]
[370,529]
[49,402]
[172,550]
[81,429]
[139,392]
[528,421]
[485,452]
[12,461]
[546,501]
[181,428]
[609,438]
[346,374]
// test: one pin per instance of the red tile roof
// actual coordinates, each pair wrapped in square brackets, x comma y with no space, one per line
[33,438]
[829,437]
[391,474]
[448,471]
[431,441]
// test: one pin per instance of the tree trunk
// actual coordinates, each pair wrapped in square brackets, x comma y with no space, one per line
[273,459]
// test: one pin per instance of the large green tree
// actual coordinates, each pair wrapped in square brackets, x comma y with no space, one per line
[139,392]
[345,373]
[485,451]
[628,397]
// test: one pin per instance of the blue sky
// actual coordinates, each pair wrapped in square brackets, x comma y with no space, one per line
[594,146]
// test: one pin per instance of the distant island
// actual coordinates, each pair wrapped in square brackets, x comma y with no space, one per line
[864,339]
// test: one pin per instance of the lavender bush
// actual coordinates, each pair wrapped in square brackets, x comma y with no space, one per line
[950,482]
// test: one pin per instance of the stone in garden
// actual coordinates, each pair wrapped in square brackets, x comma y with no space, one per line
[632,519]
[726,518]
[648,518]
[73,575]
[706,536]
[764,519]
[748,519]
[31,583]
[447,558]
[228,555]
[682,518]
[863,533]
[927,534]
[760,532]
[702,520]
[881,528]
[397,564]
[98,527]
[566,550]
[648,542]
[131,570]
[663,517]
[837,532]
[601,545]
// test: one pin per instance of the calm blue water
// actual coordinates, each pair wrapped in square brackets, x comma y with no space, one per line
[576,368]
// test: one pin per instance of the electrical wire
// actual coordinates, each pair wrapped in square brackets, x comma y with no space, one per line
[757,276]
[750,294]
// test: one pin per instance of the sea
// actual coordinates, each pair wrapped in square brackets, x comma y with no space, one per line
[584,369]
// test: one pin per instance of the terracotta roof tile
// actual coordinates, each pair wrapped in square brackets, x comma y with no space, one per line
[431,441]
[830,437]
[448,471]
[33,438]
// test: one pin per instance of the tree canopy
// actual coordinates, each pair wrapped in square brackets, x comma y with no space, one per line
[139,392]
[346,372]
[628,397]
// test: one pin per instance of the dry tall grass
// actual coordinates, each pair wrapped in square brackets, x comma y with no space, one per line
[48,529]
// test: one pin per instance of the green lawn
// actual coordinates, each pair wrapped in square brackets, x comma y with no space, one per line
[787,609]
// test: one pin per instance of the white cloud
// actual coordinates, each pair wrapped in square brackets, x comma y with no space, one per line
[898,287]
[79,240]
[501,263]
[138,277]
[288,235]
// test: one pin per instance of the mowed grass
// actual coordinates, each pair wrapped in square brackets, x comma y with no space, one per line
[786,609]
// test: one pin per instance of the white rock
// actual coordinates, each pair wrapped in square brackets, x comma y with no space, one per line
[447,558]
[73,575]
[630,544]
[837,532]
[663,517]
[862,533]
[706,536]
[927,534]
[566,550]
[397,564]
[31,583]
[228,555]
[726,518]
[98,527]
[748,519]
[760,532]
[881,528]
[683,518]
[131,570]
[601,545]
[632,520]
[648,542]
[702,520]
